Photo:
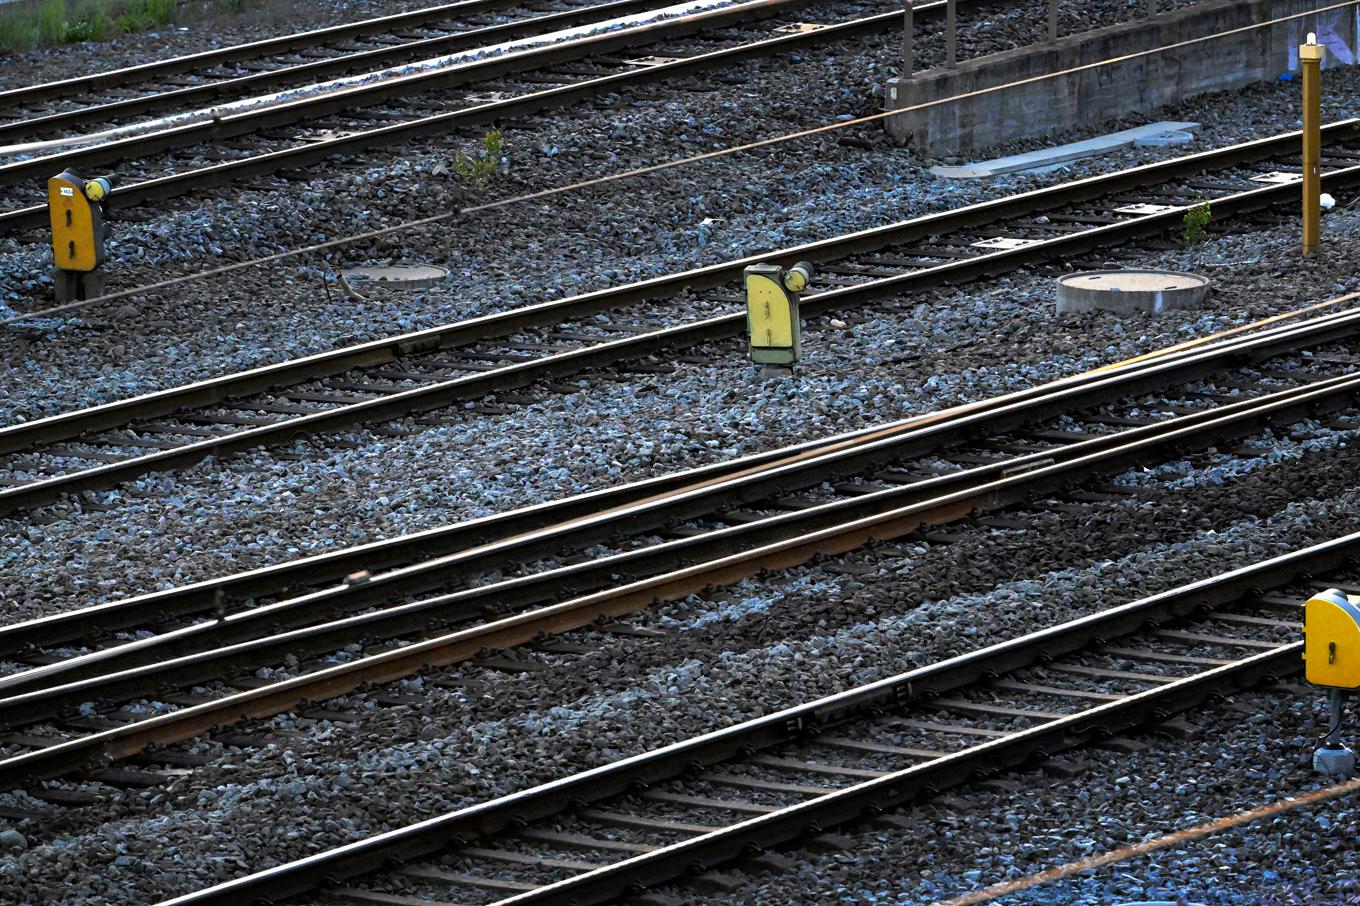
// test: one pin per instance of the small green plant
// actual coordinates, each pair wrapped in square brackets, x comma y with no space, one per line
[1197,218]
[161,12]
[477,169]
[52,21]
[62,22]
[229,7]
[17,32]
[144,15]
[91,23]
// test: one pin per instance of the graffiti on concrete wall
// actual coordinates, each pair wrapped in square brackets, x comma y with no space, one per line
[1336,29]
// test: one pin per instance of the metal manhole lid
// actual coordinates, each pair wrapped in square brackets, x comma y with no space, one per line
[405,276]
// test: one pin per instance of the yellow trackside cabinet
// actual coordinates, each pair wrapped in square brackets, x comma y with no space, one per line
[1331,640]
[772,320]
[76,208]
[77,224]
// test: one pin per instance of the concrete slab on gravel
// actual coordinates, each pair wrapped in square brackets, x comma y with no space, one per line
[1163,132]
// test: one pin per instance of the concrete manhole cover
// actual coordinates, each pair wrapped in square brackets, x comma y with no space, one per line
[401,276]
[1129,291]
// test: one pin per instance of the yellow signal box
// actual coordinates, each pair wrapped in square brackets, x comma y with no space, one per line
[1331,659]
[774,331]
[76,208]
[1331,640]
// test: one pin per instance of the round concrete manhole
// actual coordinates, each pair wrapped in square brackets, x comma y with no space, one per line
[1125,292]
[399,276]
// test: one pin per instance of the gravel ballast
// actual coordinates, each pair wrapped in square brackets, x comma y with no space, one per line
[495,732]
[1252,750]
[708,212]
[201,27]
[910,356]
[739,652]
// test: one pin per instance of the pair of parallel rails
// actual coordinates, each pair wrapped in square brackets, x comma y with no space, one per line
[671,537]
[334,123]
[680,811]
[45,460]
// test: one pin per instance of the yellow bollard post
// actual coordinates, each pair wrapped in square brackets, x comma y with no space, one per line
[1310,61]
[76,207]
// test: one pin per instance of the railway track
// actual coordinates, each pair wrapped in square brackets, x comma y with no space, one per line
[128,95]
[739,491]
[678,811]
[298,133]
[203,674]
[266,55]
[374,383]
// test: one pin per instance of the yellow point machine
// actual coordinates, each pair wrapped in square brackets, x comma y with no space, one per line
[1331,659]
[76,207]
[775,335]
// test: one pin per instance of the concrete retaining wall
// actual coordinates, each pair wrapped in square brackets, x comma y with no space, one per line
[1091,97]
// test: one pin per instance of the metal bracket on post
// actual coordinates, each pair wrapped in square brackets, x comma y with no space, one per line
[951,33]
[1332,756]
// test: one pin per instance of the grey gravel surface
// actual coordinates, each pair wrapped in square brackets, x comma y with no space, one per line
[740,654]
[731,656]
[270,506]
[1253,750]
[261,19]
[710,212]
[194,33]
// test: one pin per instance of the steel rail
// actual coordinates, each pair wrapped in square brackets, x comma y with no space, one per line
[213,647]
[209,594]
[220,645]
[899,787]
[682,503]
[288,113]
[514,376]
[215,390]
[582,516]
[436,834]
[173,185]
[85,84]
[110,111]
[519,629]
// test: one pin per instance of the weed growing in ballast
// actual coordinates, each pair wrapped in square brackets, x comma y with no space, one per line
[1197,218]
